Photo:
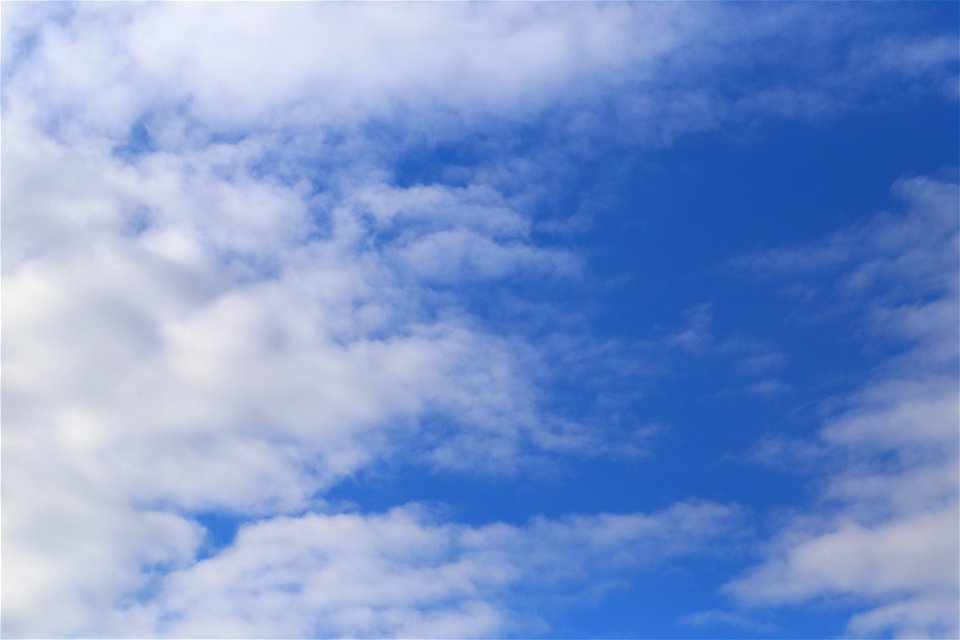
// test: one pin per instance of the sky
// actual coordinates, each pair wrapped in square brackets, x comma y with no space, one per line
[461,320]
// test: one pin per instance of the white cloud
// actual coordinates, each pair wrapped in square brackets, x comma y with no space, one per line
[714,617]
[911,618]
[186,70]
[237,335]
[185,335]
[328,65]
[904,555]
[768,387]
[887,525]
[402,573]
[71,549]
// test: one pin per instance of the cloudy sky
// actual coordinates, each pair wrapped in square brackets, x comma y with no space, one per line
[458,320]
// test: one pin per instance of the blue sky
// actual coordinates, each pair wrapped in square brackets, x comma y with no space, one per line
[471,320]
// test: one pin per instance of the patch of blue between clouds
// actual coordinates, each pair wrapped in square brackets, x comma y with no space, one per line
[221,529]
[138,141]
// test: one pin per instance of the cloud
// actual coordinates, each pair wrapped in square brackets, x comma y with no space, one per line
[397,573]
[769,387]
[315,65]
[180,72]
[184,335]
[224,305]
[221,296]
[714,617]
[886,528]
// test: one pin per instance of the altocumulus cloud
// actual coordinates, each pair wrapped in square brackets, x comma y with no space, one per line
[220,296]
[401,573]
[886,528]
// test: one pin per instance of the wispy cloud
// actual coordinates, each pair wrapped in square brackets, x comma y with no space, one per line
[713,617]
[886,528]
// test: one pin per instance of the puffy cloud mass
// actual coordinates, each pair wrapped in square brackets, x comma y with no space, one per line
[185,336]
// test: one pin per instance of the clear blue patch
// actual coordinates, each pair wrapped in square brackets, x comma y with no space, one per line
[137,142]
[221,530]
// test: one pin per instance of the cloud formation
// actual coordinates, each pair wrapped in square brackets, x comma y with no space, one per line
[886,528]
[402,573]
[225,293]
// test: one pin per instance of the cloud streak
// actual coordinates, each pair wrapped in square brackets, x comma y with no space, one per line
[886,529]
